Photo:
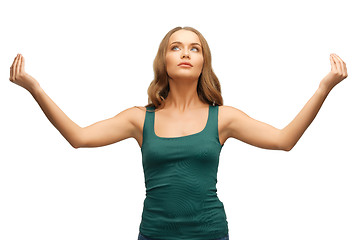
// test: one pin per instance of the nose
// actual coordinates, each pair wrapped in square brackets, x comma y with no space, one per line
[185,53]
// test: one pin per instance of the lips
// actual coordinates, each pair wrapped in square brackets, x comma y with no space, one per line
[185,64]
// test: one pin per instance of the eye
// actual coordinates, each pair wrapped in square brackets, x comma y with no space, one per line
[197,49]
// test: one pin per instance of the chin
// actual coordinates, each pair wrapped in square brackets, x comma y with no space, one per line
[182,74]
[188,76]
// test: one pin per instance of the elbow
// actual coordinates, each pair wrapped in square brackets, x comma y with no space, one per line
[284,147]
[287,148]
[76,142]
[75,145]
[284,144]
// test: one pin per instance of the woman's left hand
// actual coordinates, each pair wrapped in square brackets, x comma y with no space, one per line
[337,74]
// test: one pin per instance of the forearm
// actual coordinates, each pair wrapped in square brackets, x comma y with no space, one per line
[69,129]
[294,130]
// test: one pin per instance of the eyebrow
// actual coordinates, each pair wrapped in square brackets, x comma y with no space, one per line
[190,44]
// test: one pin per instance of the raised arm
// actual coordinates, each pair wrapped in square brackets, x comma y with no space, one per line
[55,115]
[294,130]
[99,134]
[240,126]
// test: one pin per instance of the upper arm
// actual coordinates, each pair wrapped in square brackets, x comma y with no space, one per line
[242,127]
[109,131]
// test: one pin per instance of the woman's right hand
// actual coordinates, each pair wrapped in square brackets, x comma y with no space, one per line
[20,77]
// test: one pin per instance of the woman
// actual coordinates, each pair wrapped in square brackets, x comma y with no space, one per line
[181,132]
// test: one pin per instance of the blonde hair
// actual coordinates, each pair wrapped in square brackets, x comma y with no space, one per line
[208,89]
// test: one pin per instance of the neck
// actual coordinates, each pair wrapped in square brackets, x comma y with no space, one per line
[183,95]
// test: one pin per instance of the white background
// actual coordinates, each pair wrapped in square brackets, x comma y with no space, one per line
[95,60]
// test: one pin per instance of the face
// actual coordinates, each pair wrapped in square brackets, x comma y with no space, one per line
[184,46]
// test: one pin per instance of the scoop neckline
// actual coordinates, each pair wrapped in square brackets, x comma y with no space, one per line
[190,135]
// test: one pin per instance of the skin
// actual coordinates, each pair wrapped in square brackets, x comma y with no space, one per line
[184,113]
[183,81]
[182,103]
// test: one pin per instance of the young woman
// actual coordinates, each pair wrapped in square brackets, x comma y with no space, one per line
[181,132]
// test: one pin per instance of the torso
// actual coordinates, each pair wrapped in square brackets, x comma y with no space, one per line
[170,123]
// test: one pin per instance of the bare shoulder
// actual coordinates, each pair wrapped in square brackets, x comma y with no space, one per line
[132,113]
[224,119]
[227,109]
[227,113]
[136,116]
[227,116]
[230,114]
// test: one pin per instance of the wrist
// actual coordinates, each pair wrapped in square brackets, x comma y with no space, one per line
[324,90]
[35,90]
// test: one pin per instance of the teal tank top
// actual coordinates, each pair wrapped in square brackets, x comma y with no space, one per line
[180,177]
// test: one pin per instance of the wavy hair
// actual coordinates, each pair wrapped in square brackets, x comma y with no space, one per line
[208,89]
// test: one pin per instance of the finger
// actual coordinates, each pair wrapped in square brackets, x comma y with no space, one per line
[13,62]
[18,65]
[342,64]
[337,56]
[14,68]
[14,59]
[333,67]
[333,64]
[22,64]
[10,73]
[11,70]
[337,63]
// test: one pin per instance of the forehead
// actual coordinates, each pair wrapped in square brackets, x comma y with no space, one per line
[184,36]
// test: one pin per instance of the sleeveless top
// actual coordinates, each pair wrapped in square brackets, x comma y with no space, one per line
[180,177]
